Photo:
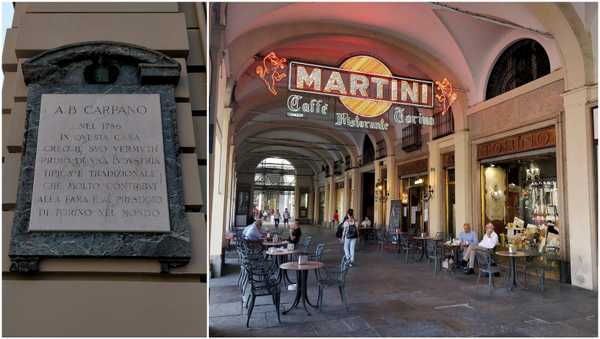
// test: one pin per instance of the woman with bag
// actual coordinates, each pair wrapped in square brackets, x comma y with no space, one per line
[349,236]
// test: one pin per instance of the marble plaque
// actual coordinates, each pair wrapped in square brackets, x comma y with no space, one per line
[100,164]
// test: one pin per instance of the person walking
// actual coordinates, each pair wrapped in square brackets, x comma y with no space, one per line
[349,236]
[286,218]
[276,218]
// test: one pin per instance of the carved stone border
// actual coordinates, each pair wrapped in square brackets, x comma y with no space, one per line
[144,72]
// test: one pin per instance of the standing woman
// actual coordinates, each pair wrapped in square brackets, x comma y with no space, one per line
[276,218]
[349,236]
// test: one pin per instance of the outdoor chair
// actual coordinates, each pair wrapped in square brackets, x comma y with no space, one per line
[306,244]
[406,245]
[329,277]
[317,256]
[434,253]
[263,282]
[385,238]
[485,262]
[544,262]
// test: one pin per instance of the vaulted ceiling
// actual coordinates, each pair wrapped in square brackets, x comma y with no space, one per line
[459,41]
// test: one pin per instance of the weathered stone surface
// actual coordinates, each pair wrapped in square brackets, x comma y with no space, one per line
[100,164]
[61,71]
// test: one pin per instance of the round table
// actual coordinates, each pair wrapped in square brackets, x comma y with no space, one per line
[275,244]
[512,278]
[454,250]
[424,246]
[278,254]
[301,278]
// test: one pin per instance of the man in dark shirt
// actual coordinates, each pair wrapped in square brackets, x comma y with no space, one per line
[295,232]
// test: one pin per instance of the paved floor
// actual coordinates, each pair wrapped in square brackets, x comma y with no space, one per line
[390,298]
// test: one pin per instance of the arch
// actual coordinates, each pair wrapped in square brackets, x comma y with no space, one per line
[49,66]
[368,150]
[521,62]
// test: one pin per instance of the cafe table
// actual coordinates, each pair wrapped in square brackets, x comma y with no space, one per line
[302,279]
[512,269]
[275,243]
[454,249]
[278,255]
[423,240]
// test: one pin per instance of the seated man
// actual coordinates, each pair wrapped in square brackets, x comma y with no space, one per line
[253,231]
[489,241]
[366,223]
[466,237]
[295,232]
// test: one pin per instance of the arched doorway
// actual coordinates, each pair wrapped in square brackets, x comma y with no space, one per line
[274,188]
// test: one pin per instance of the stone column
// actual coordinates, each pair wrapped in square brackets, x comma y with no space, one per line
[436,207]
[347,192]
[315,204]
[579,170]
[332,196]
[378,219]
[392,185]
[296,201]
[356,192]
[462,176]
[326,216]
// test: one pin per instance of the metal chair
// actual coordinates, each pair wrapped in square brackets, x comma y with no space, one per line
[262,281]
[434,253]
[334,278]
[406,245]
[306,244]
[485,262]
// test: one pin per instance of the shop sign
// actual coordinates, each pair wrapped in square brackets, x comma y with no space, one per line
[529,141]
[362,84]
[448,160]
[413,167]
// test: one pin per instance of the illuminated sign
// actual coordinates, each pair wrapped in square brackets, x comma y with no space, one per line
[364,85]
[270,72]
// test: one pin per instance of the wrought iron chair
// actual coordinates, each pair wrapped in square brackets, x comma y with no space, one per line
[262,282]
[334,278]
[406,245]
[435,254]
[306,244]
[485,262]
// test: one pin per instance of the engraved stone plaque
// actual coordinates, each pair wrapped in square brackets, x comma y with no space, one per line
[100,164]
[101,171]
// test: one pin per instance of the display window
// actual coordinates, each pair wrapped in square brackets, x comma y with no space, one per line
[521,198]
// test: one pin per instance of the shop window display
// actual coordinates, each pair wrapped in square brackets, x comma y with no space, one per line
[521,200]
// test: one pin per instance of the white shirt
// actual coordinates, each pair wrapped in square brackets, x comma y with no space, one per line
[366,223]
[489,242]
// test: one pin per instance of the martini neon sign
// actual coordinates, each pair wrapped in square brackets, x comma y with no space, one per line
[363,84]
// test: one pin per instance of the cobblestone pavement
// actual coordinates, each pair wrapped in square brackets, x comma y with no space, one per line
[390,298]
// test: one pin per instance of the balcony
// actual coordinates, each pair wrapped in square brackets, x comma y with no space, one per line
[411,138]
[443,124]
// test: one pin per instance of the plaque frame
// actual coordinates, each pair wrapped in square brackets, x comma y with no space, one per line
[61,71]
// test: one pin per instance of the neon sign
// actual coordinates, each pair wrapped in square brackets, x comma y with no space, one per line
[446,95]
[269,71]
[363,84]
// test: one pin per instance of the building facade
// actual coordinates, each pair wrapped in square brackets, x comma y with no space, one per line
[92,295]
[515,147]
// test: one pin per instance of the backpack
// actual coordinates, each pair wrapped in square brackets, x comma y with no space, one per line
[352,232]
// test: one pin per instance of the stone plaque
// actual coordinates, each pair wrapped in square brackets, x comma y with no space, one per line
[100,164]
[101,173]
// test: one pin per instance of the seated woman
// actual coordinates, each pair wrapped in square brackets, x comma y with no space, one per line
[295,232]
